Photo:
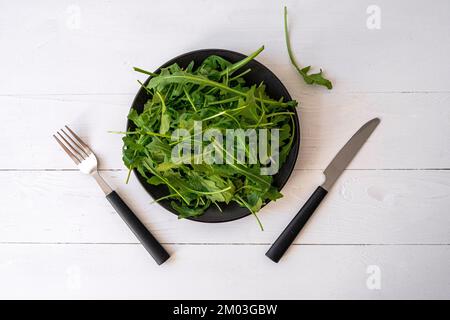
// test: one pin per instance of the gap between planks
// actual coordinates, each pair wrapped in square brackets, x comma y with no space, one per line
[231,244]
[295,169]
[58,94]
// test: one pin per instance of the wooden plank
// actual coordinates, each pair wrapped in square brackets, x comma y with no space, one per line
[224,272]
[64,47]
[414,132]
[365,207]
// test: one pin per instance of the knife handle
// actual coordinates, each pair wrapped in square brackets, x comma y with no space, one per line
[289,234]
[145,237]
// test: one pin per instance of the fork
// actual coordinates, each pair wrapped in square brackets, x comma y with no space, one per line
[86,162]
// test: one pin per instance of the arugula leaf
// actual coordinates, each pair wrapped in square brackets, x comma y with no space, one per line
[315,78]
[185,211]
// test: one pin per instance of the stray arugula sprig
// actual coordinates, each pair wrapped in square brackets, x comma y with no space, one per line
[314,78]
[213,94]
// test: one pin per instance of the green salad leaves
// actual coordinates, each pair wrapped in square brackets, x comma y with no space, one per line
[216,95]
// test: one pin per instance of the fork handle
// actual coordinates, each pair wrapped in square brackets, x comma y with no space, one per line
[145,237]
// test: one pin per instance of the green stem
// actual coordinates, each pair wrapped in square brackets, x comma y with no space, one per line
[279,114]
[218,207]
[207,82]
[163,198]
[254,213]
[242,63]
[240,74]
[123,132]
[163,110]
[232,99]
[189,99]
[145,72]
[225,112]
[128,175]
[150,133]
[288,43]
[209,192]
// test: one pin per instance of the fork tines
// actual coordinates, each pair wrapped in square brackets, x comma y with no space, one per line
[73,145]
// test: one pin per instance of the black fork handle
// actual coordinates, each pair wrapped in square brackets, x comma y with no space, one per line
[145,237]
[289,234]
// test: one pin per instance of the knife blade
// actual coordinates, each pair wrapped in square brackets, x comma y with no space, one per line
[343,158]
[332,173]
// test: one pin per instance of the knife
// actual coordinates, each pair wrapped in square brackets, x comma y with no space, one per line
[332,173]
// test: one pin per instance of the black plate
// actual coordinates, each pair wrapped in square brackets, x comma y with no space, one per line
[275,90]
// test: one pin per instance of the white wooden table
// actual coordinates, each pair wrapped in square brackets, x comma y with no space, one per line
[383,231]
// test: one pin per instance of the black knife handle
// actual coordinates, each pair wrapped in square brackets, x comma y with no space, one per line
[145,237]
[289,234]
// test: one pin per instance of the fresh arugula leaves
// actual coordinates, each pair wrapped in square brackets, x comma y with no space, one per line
[217,94]
[314,78]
